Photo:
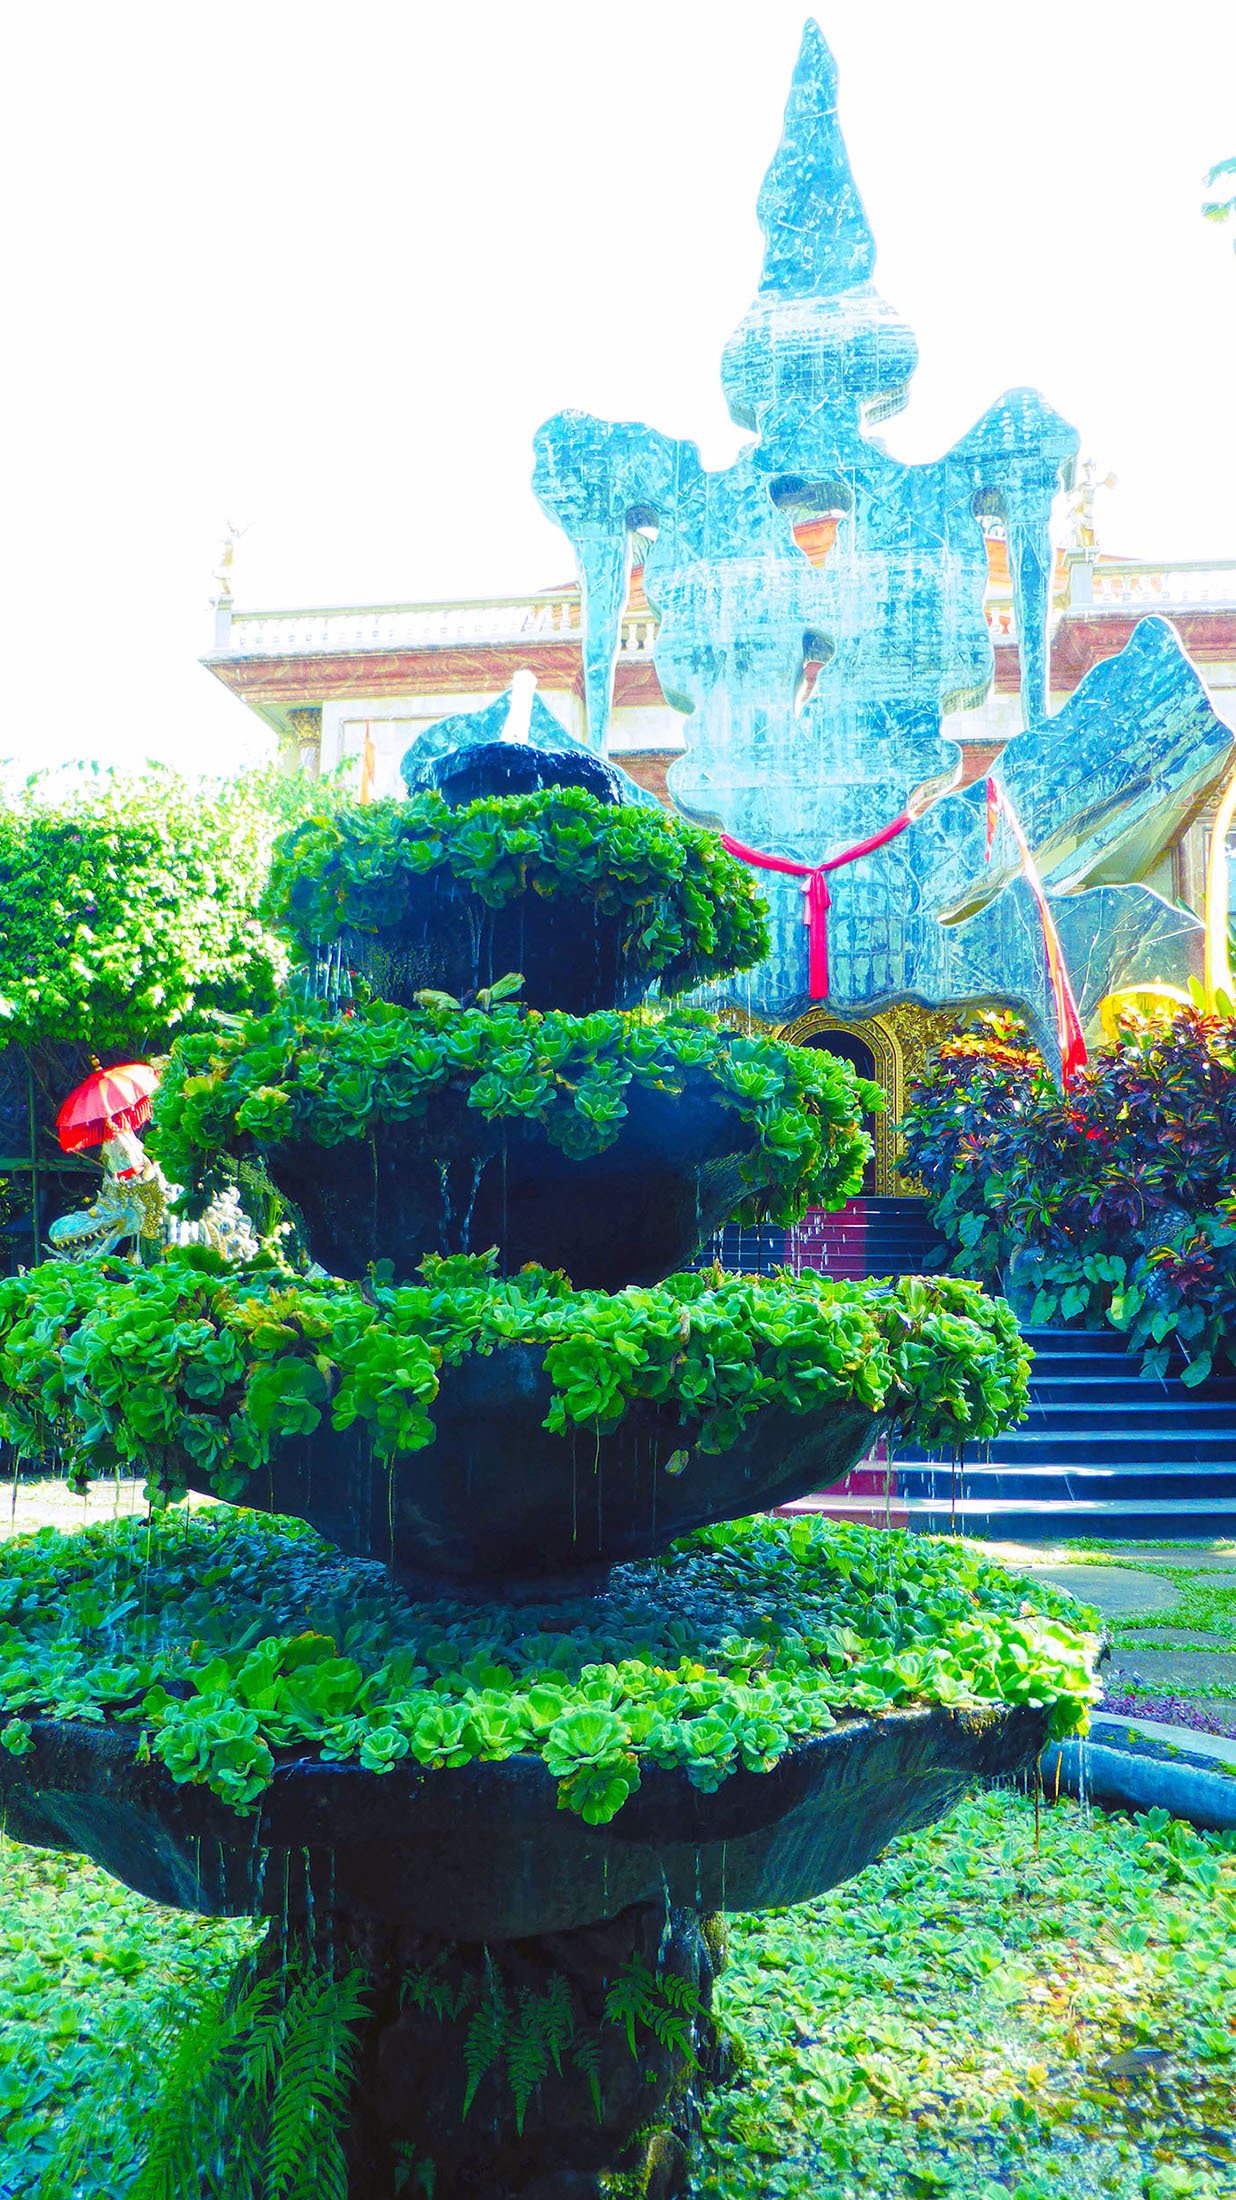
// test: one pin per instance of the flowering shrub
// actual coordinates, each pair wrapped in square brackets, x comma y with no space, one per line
[1122,1185]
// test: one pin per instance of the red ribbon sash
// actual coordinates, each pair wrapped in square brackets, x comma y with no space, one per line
[1073,1055]
[816,896]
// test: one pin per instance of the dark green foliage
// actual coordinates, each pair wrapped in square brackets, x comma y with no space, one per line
[255,2093]
[946,2025]
[523,2035]
[305,1073]
[695,911]
[739,1642]
[1123,1186]
[194,1362]
[665,2004]
[130,906]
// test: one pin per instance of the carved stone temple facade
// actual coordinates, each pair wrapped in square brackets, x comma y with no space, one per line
[822,651]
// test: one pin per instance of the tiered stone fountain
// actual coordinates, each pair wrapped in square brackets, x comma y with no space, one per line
[473,1871]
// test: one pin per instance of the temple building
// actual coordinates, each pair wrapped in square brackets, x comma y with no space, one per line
[343,681]
[823,652]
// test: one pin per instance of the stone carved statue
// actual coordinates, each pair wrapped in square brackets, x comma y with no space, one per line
[892,626]
[133,1209]
[1082,532]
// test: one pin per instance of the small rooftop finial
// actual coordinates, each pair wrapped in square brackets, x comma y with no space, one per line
[222,574]
[817,239]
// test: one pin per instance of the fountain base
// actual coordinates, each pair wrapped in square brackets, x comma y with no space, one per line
[565,2067]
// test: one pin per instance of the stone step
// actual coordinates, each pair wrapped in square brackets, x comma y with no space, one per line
[1019,1521]
[1118,1412]
[1067,1482]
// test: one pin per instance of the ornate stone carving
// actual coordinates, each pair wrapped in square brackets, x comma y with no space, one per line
[816,697]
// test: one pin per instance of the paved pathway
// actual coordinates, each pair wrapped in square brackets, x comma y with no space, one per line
[1150,1655]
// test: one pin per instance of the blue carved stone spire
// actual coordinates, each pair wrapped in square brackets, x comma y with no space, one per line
[821,699]
[817,237]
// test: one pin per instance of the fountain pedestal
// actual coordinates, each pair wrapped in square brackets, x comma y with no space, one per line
[513,2071]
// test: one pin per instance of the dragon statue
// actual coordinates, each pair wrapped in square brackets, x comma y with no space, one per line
[134,1209]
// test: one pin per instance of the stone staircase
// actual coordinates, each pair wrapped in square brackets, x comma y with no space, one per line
[866,1237]
[1103,1451]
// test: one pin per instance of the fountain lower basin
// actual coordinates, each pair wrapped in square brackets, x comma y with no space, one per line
[482,1852]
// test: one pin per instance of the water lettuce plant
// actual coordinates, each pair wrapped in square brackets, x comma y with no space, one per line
[694,912]
[966,2022]
[307,1073]
[195,1365]
[233,1642]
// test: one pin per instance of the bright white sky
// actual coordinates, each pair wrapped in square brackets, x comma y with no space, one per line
[322,269]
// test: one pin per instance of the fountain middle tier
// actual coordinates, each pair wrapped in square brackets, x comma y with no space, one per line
[606,1145]
[499,1505]
[482,1432]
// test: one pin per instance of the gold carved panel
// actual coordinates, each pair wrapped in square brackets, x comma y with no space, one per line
[900,1039]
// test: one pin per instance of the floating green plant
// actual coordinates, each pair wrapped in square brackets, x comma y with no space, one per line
[231,1643]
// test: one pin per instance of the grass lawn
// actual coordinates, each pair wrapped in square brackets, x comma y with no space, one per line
[973,2017]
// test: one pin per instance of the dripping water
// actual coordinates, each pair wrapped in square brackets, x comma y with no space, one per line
[465,1233]
[667,1924]
[258,1862]
[311,1930]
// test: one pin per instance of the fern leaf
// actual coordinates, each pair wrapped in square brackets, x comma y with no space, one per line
[632,1998]
[178,2137]
[558,2018]
[486,2037]
[527,2053]
[586,2056]
[313,2086]
[673,2029]
[679,1992]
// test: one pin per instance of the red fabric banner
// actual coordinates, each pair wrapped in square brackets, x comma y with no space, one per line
[1073,1054]
[816,896]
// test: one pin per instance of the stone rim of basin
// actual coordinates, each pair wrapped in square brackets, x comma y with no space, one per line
[508,1863]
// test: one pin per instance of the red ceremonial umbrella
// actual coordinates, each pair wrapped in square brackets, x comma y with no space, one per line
[109,1100]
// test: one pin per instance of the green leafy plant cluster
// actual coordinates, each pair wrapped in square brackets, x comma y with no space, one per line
[306,1073]
[195,1366]
[231,1643]
[260,2084]
[130,905]
[521,2034]
[693,911]
[1015,2004]
[964,2022]
[1121,1187]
